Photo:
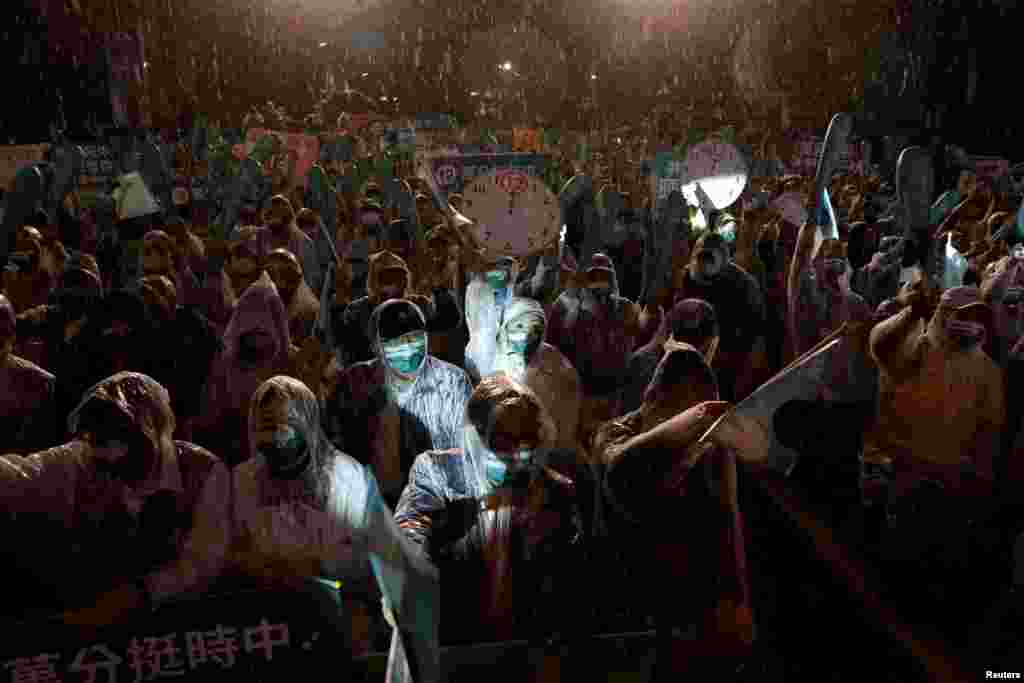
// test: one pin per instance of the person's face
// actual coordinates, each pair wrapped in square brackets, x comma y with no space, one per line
[708,264]
[428,213]
[524,333]
[514,431]
[271,418]
[392,283]
[600,282]
[244,263]
[116,446]
[284,275]
[967,184]
[155,259]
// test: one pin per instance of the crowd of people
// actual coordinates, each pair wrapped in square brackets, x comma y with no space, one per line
[472,445]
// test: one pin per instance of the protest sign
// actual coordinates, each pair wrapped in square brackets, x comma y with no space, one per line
[453,172]
[260,635]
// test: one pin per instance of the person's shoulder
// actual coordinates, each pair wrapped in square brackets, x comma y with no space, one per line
[37,314]
[445,368]
[27,375]
[194,457]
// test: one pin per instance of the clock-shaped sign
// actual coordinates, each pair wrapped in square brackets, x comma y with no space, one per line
[514,213]
[721,171]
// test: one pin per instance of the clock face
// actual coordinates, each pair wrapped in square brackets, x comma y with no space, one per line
[721,171]
[515,214]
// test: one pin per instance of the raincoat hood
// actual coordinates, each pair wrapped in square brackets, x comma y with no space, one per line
[475,443]
[260,309]
[303,298]
[378,263]
[303,415]
[518,308]
[140,398]
[412,315]
[484,316]
[683,366]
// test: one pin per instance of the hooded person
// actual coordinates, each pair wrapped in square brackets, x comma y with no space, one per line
[245,259]
[939,427]
[389,278]
[1003,290]
[188,243]
[310,223]
[504,530]
[523,355]
[123,482]
[401,403]
[36,274]
[161,256]
[596,330]
[257,346]
[652,468]
[304,510]
[738,303]
[281,232]
[691,321]
[27,398]
[184,366]
[303,306]
[45,332]
[487,295]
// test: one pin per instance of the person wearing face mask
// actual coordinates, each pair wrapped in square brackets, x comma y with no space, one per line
[738,303]
[523,355]
[596,329]
[256,346]
[183,366]
[505,531]
[651,471]
[122,482]
[692,322]
[160,256]
[308,515]
[940,417]
[27,407]
[487,295]
[389,278]
[401,403]
[281,232]
[45,332]
[302,305]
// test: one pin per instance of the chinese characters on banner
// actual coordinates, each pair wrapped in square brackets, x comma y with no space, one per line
[194,654]
[452,173]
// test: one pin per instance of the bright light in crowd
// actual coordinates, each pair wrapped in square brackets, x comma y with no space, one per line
[593,77]
[383,99]
[323,44]
[145,65]
[721,190]
[365,75]
[507,66]
[474,93]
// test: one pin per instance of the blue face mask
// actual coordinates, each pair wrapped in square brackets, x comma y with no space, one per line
[519,342]
[287,455]
[497,279]
[406,357]
[500,473]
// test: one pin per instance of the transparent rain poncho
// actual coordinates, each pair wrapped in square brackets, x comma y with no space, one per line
[540,366]
[507,557]
[89,517]
[487,296]
[385,418]
[334,513]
